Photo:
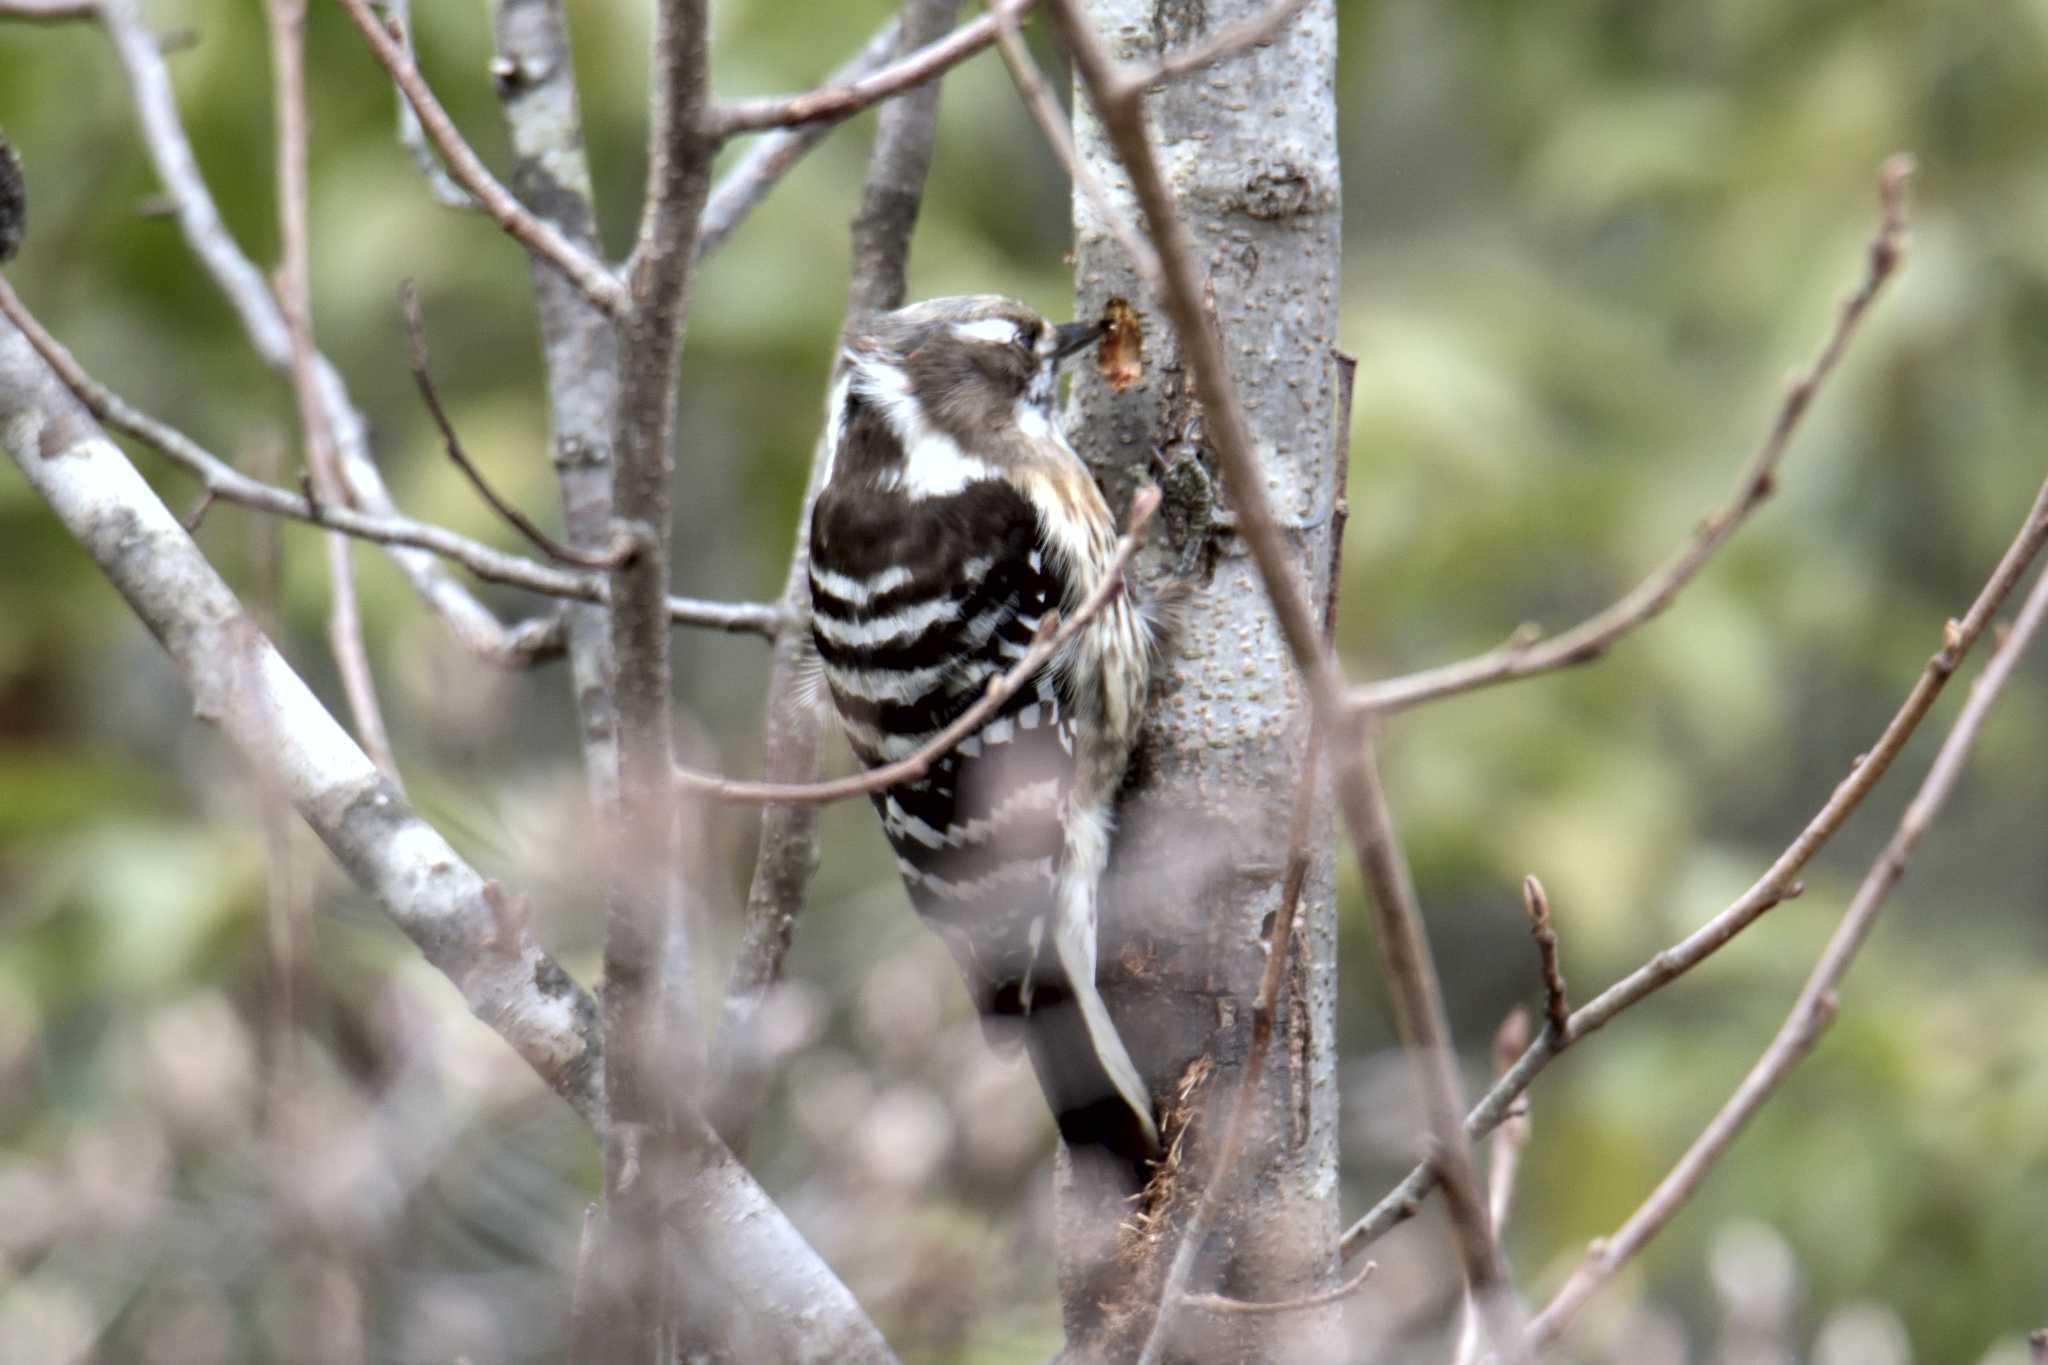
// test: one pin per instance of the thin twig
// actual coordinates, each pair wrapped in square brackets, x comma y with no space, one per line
[1223,43]
[249,295]
[1059,135]
[1420,1019]
[416,337]
[222,480]
[1591,638]
[1279,949]
[542,238]
[1816,1005]
[1557,1011]
[654,1141]
[1411,977]
[1322,1298]
[287,23]
[48,11]
[240,683]
[411,136]
[1509,1139]
[1779,883]
[1052,636]
[533,72]
[761,168]
[787,855]
[833,102]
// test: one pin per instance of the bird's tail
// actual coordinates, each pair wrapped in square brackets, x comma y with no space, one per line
[1097,1098]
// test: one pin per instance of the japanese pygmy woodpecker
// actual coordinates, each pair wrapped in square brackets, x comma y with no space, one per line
[953,517]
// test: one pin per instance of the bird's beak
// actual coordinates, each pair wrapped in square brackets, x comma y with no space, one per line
[1076,336]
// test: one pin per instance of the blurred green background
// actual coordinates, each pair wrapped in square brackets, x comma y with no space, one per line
[1584,244]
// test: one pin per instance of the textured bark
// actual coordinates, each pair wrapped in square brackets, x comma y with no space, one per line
[243,685]
[1250,149]
[536,82]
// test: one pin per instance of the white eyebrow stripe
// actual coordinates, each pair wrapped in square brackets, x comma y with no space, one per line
[997,331]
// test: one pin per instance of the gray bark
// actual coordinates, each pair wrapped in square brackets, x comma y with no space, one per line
[1250,149]
[536,81]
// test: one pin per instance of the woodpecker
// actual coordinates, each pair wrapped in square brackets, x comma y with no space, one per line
[953,517]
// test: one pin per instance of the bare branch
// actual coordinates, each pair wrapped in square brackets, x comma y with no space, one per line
[222,480]
[287,24]
[1216,1303]
[1419,1017]
[1509,1042]
[654,1053]
[543,239]
[906,131]
[416,337]
[48,11]
[834,102]
[1052,636]
[411,135]
[1815,1008]
[238,279]
[1411,977]
[770,158]
[1591,638]
[245,687]
[1777,884]
[1223,43]
[240,683]
[1059,135]
[534,72]
[1557,1012]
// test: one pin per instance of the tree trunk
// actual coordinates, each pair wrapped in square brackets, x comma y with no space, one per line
[1249,147]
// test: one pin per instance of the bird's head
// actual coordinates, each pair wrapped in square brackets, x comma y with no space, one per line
[971,367]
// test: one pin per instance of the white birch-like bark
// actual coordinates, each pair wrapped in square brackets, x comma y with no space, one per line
[1249,148]
[773,1298]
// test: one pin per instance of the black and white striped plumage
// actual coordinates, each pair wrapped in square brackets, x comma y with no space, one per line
[954,516]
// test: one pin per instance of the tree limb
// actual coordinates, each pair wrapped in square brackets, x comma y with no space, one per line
[1815,1008]
[1777,884]
[221,480]
[287,24]
[241,684]
[1411,977]
[534,72]
[761,168]
[1591,638]
[48,11]
[411,135]
[538,236]
[243,285]
[834,102]
[654,1051]
[906,131]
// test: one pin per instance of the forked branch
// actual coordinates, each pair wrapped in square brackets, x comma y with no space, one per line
[1816,1006]
[1778,883]
[538,236]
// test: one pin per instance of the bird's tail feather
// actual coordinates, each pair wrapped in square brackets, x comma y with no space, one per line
[1089,1080]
